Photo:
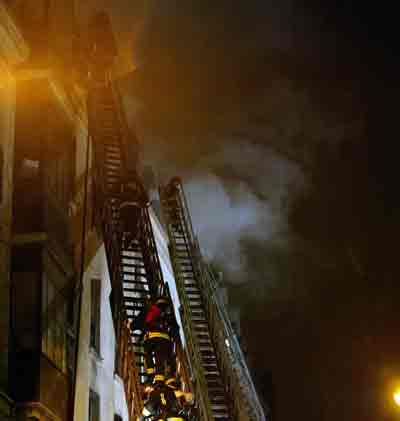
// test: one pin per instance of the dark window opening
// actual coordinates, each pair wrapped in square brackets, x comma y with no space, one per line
[26,309]
[94,406]
[117,417]
[95,314]
[25,323]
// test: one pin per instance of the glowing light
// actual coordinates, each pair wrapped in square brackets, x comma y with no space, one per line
[396,397]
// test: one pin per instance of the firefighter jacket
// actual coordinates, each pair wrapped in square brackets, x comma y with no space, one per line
[162,404]
[158,322]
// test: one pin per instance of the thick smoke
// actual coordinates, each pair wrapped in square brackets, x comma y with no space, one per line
[239,194]
[248,203]
[222,218]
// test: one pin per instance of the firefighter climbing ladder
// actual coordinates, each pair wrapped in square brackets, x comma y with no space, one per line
[122,214]
[129,255]
[129,243]
[224,389]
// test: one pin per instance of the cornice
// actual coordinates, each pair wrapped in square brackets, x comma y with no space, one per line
[57,89]
[37,409]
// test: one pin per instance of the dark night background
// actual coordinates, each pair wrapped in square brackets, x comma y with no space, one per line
[248,98]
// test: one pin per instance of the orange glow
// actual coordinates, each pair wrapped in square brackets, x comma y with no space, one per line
[396,397]
[5,76]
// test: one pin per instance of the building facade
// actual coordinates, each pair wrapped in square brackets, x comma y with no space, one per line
[47,287]
[57,338]
[59,352]
[13,50]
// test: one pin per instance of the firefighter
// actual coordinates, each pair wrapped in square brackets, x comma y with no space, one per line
[172,192]
[159,332]
[130,213]
[162,404]
[153,409]
[184,398]
[133,200]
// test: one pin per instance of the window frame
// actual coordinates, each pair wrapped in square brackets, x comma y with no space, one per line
[94,406]
[95,314]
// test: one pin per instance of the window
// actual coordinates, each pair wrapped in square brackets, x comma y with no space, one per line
[117,417]
[44,164]
[95,314]
[54,314]
[58,185]
[94,406]
[60,170]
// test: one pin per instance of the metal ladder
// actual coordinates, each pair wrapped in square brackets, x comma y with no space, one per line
[210,390]
[121,212]
[132,256]
[225,388]
[141,278]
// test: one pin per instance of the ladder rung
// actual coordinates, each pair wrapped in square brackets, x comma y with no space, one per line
[132,265]
[138,290]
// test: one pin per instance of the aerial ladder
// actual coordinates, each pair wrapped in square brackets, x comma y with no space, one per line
[223,388]
[215,365]
[122,214]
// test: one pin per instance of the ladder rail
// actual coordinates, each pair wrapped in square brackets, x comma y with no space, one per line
[108,149]
[199,383]
[202,398]
[122,211]
[230,355]
[235,366]
[243,399]
[209,391]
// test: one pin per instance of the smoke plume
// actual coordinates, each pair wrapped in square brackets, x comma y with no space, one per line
[248,202]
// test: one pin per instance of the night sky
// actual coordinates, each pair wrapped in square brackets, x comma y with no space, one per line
[281,116]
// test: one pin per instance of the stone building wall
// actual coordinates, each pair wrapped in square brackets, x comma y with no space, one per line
[95,369]
[12,51]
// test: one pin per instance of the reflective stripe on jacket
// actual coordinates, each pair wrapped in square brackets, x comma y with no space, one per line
[150,335]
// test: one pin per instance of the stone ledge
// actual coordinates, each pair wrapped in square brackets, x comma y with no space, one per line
[35,410]
[34,237]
